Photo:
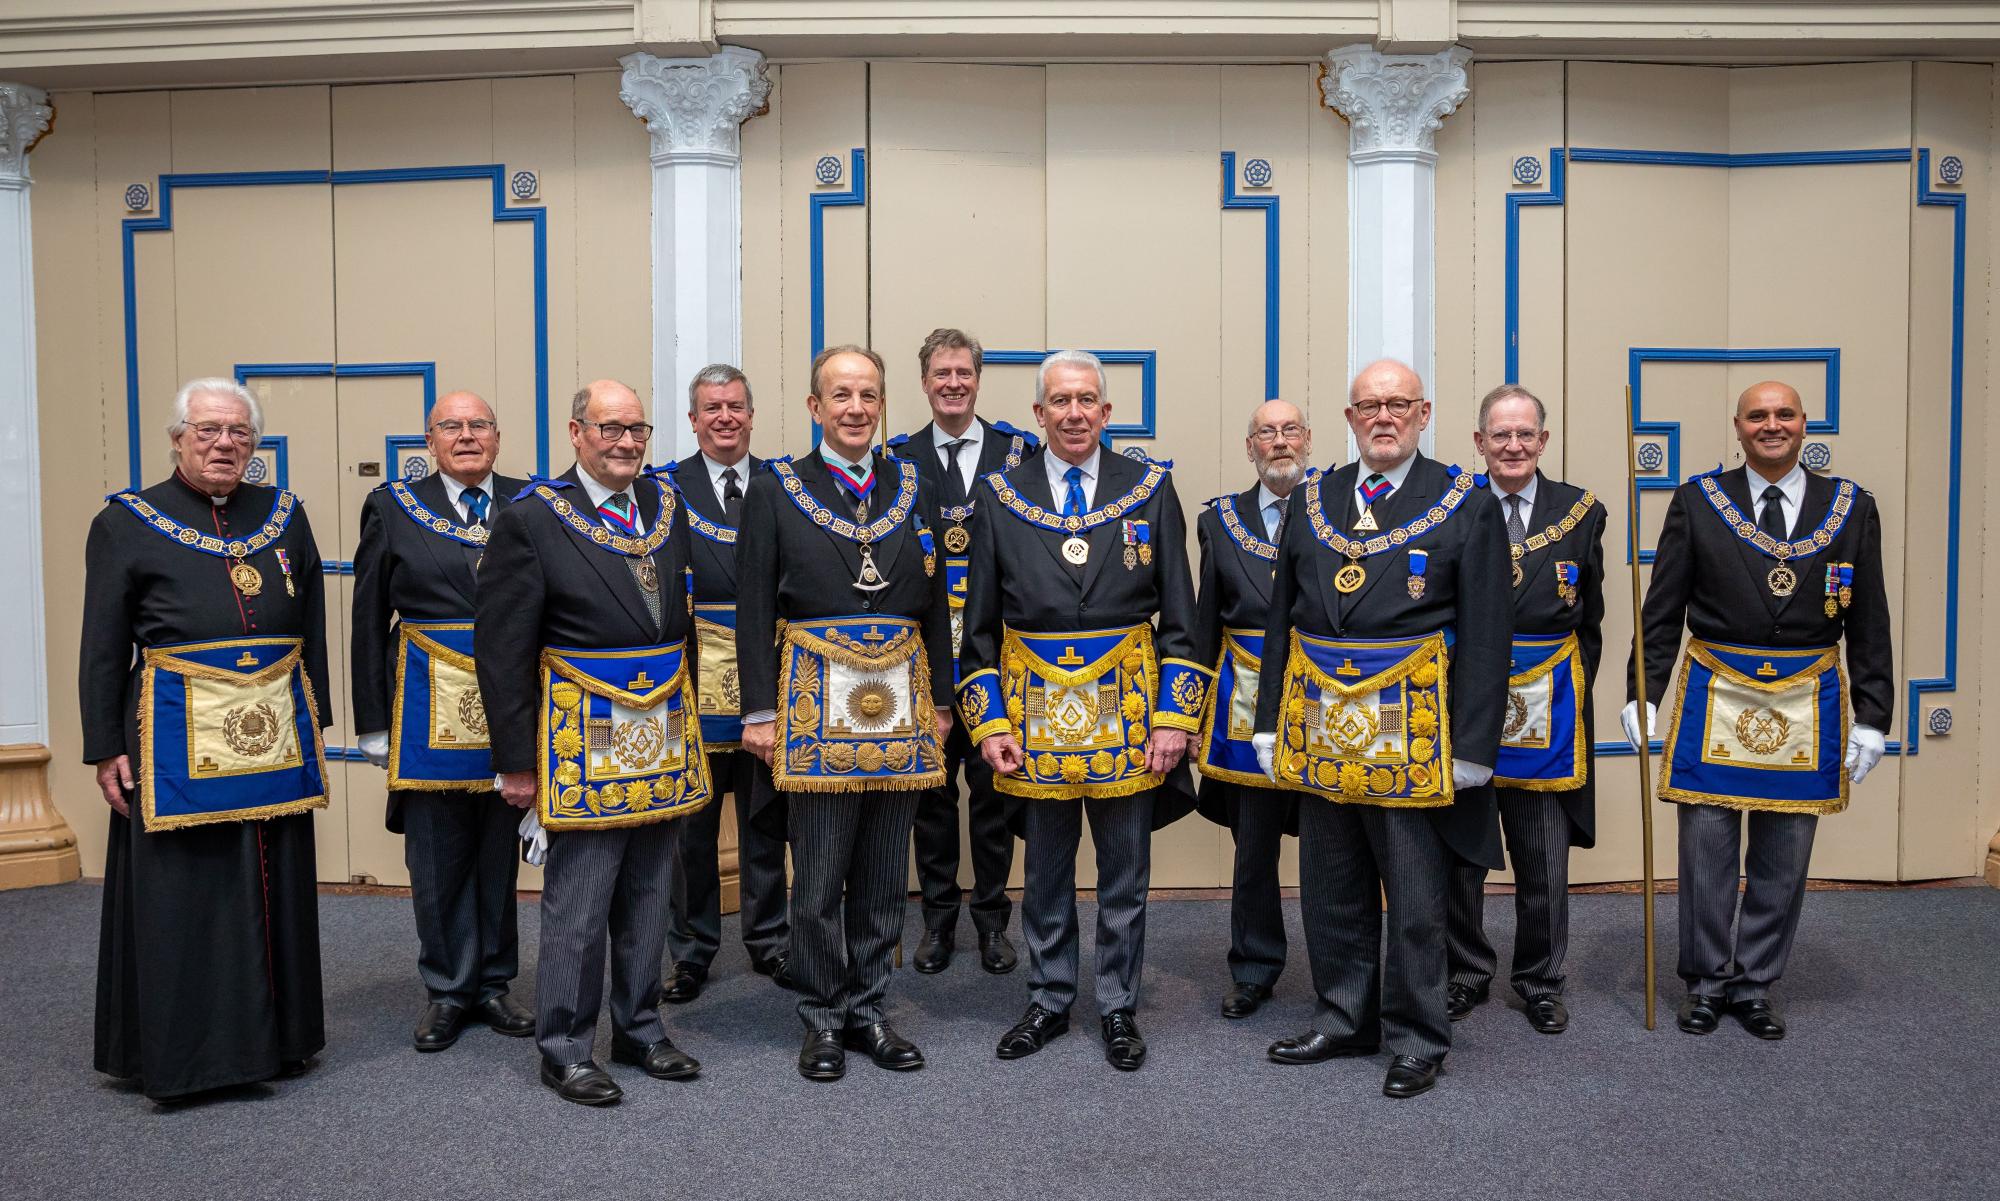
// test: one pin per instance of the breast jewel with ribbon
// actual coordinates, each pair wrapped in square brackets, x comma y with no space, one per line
[1352,575]
[1781,579]
[246,579]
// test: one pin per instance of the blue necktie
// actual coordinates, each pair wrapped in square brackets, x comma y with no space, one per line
[475,504]
[1073,499]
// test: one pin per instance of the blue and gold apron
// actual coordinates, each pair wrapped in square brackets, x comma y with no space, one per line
[1367,721]
[721,688]
[1082,704]
[437,723]
[620,746]
[228,731]
[1758,728]
[1226,752]
[1541,738]
[854,707]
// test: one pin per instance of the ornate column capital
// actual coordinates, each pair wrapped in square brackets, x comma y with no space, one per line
[695,104]
[24,117]
[1394,103]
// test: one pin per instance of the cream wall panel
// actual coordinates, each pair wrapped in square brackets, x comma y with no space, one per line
[412,124]
[764,346]
[1983,501]
[1133,213]
[958,223]
[1941,830]
[607,236]
[82,412]
[826,112]
[534,128]
[1454,388]
[1647,263]
[135,145]
[1325,260]
[252,129]
[1518,109]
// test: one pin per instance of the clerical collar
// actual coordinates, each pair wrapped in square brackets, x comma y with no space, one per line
[181,478]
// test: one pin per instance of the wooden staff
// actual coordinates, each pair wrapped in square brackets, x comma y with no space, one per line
[1639,674]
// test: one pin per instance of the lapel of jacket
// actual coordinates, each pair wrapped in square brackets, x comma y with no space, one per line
[1813,507]
[993,448]
[1334,489]
[447,553]
[609,565]
[1546,511]
[1252,517]
[1736,486]
[1418,492]
[818,480]
[1116,475]
[698,493]
[1032,482]
[888,485]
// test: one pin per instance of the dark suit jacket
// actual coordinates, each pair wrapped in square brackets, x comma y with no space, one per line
[1705,575]
[714,563]
[1469,586]
[543,584]
[404,571]
[1539,609]
[1235,593]
[921,448]
[1023,581]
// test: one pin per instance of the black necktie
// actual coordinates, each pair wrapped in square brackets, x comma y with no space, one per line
[732,497]
[1517,530]
[954,483]
[1772,521]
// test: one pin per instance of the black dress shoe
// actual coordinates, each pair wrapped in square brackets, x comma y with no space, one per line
[440,1026]
[996,952]
[1759,1018]
[291,1068]
[1462,999]
[1124,1049]
[1700,1013]
[820,1058]
[777,967]
[1547,1013]
[684,983]
[661,1060]
[1409,1076]
[933,952]
[584,1083]
[1036,1029]
[1244,999]
[1315,1047]
[886,1047]
[505,1016]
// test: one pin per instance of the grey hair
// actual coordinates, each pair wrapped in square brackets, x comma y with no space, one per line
[716,375]
[1250,423]
[214,385]
[1071,358]
[1511,392]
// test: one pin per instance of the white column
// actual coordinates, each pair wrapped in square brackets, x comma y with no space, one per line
[1394,105]
[693,108]
[24,706]
[36,846]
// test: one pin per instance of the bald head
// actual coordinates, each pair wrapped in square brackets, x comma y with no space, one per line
[1392,373]
[614,462]
[1771,426]
[1769,392]
[463,437]
[1386,409]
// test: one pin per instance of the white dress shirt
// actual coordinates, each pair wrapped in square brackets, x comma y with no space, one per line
[715,470]
[1395,475]
[968,455]
[1056,466]
[454,491]
[1272,506]
[598,493]
[1792,484]
[1527,495]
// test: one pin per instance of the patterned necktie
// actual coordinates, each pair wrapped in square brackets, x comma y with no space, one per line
[617,514]
[1374,488]
[732,497]
[474,500]
[1517,530]
[1073,497]
[1772,520]
[954,483]
[855,487]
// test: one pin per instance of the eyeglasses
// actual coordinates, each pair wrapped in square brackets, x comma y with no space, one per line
[1504,437]
[1268,434]
[614,431]
[1398,406]
[1087,402]
[209,431]
[452,429]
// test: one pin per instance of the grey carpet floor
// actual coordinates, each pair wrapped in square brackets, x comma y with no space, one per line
[1888,1087]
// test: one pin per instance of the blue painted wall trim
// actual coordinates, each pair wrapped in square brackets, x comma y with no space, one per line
[1948,682]
[855,196]
[1697,158]
[1148,362]
[1269,205]
[534,215]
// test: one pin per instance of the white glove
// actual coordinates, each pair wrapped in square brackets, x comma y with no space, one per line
[1864,751]
[537,838]
[375,747]
[1629,718]
[1267,750]
[1468,775]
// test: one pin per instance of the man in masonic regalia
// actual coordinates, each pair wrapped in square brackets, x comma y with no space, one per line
[201,674]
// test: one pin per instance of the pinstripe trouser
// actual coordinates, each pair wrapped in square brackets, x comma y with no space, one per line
[1256,912]
[1745,967]
[1121,828]
[1538,848]
[850,865]
[1349,856]
[597,884]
